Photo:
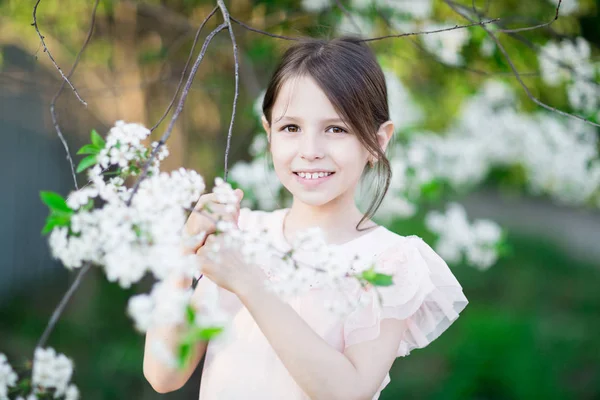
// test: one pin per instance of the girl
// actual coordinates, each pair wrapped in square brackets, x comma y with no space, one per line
[326,116]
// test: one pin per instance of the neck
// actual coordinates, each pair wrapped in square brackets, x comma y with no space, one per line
[337,219]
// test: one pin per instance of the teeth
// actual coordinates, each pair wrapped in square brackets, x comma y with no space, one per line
[313,175]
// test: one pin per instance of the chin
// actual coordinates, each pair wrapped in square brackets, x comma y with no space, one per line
[313,199]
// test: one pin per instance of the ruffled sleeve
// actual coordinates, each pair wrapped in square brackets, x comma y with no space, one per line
[425,295]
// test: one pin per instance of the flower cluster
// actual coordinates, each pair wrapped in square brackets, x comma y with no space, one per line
[479,242]
[446,45]
[128,240]
[8,377]
[166,304]
[558,156]
[51,375]
[53,371]
[568,61]
[124,147]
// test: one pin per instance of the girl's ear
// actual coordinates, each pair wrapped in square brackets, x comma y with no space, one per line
[384,134]
[266,127]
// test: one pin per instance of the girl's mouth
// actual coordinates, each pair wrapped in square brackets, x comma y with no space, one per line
[309,181]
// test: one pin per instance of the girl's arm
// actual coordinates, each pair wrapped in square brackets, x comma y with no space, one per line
[319,369]
[161,377]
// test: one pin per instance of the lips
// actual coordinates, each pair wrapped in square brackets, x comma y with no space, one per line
[310,182]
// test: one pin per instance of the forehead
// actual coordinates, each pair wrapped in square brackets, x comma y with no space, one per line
[301,96]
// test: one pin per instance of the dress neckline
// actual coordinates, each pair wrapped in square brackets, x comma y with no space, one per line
[280,236]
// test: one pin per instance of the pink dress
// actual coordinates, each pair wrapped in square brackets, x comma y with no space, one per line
[425,294]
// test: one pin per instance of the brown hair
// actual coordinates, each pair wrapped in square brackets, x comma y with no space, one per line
[346,69]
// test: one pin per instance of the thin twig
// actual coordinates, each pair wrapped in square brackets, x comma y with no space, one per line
[60,90]
[61,306]
[37,29]
[227,19]
[454,7]
[187,63]
[491,21]
[530,28]
[434,58]
[263,32]
[539,49]
[184,95]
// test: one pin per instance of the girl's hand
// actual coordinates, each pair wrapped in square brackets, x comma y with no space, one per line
[229,271]
[205,220]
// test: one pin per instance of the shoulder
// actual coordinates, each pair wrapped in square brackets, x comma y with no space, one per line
[424,293]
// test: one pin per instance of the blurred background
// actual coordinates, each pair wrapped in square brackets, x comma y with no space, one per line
[472,150]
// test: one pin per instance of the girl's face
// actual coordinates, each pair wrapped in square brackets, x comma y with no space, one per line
[312,138]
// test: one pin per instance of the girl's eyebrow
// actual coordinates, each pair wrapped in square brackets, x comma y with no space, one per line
[328,120]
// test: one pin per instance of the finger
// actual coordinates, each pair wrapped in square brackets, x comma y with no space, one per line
[205,198]
[223,211]
[197,222]
[193,248]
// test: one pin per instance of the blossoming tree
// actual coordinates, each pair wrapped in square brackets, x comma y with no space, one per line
[137,229]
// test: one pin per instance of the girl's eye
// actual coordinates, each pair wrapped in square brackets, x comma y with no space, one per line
[296,127]
[340,130]
[290,126]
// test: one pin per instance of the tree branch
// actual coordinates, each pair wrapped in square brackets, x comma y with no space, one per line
[187,63]
[227,19]
[61,306]
[184,95]
[530,28]
[456,8]
[434,31]
[62,86]
[35,25]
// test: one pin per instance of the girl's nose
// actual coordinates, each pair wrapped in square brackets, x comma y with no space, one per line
[311,146]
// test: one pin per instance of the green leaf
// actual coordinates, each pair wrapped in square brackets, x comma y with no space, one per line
[376,278]
[89,205]
[190,314]
[55,220]
[209,333]
[86,163]
[89,149]
[55,201]
[97,140]
[184,353]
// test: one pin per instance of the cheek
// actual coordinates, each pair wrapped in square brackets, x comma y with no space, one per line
[282,154]
[350,157]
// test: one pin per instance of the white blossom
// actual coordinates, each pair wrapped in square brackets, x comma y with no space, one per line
[403,110]
[258,179]
[567,7]
[51,370]
[561,61]
[488,46]
[165,305]
[457,237]
[259,145]
[8,377]
[315,5]
[421,9]
[445,45]
[584,96]
[357,25]
[72,393]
